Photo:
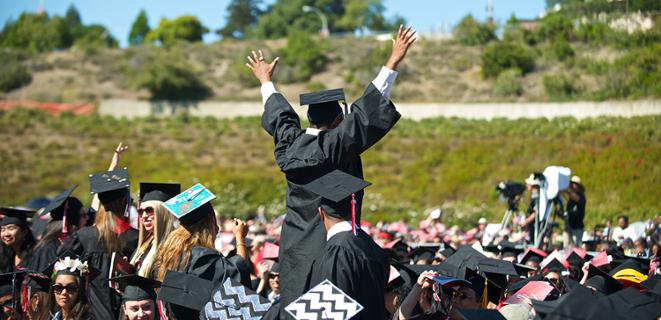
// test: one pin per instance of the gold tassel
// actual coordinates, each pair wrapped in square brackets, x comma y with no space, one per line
[485,296]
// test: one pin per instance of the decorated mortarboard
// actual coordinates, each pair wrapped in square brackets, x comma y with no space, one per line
[270,251]
[152,191]
[601,281]
[136,288]
[601,259]
[324,301]
[234,301]
[337,191]
[17,216]
[630,273]
[191,205]
[110,185]
[533,252]
[481,314]
[185,290]
[533,290]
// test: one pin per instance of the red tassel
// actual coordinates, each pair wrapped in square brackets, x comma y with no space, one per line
[26,301]
[353,214]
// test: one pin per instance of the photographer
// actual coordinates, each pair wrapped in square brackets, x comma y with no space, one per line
[574,227]
[533,183]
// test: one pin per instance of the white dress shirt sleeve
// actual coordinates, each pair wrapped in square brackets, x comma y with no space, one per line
[267,90]
[384,81]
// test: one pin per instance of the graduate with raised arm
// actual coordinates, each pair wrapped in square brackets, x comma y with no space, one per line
[334,140]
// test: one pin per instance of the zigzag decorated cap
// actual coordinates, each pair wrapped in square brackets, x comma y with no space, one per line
[192,205]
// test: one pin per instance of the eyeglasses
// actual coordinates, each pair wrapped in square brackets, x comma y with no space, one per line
[148,210]
[274,275]
[71,288]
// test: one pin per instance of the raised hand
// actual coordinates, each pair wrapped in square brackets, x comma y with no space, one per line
[261,69]
[115,157]
[400,46]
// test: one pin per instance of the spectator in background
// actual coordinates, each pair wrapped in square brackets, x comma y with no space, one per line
[477,233]
[640,248]
[574,227]
[623,231]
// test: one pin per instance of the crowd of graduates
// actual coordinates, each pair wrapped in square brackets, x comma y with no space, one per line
[166,253]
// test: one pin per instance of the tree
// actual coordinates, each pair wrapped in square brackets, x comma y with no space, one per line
[94,36]
[499,56]
[139,29]
[242,15]
[72,17]
[471,32]
[37,33]
[186,28]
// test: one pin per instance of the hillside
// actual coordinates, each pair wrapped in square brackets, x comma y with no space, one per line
[436,71]
[449,162]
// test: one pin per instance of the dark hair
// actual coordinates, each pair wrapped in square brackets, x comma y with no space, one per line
[81,308]
[626,218]
[50,234]
[27,247]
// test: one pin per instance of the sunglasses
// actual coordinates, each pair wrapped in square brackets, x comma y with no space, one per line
[274,275]
[148,210]
[58,288]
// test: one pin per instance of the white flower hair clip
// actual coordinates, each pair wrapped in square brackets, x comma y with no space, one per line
[72,265]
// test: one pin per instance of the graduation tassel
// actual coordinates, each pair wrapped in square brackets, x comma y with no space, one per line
[485,295]
[353,214]
[127,209]
[25,295]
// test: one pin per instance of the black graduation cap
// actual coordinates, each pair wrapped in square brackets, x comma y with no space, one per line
[627,264]
[57,203]
[38,281]
[110,185]
[447,251]
[523,269]
[64,202]
[653,284]
[581,303]
[506,249]
[481,314]
[17,216]
[602,281]
[158,191]
[136,288]
[574,259]
[336,189]
[477,282]
[323,106]
[543,308]
[554,266]
[532,253]
[185,290]
[496,266]
[516,286]
[422,253]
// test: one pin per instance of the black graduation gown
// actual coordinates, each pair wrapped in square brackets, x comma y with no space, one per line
[44,256]
[210,265]
[359,267]
[303,158]
[105,302]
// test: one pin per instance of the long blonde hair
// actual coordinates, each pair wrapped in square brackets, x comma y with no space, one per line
[106,222]
[175,251]
[148,242]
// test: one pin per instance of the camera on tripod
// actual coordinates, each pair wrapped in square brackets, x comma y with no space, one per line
[511,192]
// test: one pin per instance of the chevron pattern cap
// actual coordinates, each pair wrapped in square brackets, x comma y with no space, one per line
[234,301]
[324,301]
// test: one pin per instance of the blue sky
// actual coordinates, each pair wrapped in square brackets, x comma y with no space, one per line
[117,15]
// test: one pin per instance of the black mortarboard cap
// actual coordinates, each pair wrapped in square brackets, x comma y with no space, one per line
[581,303]
[57,203]
[110,185]
[554,266]
[323,105]
[38,282]
[422,253]
[496,266]
[629,303]
[514,287]
[467,257]
[523,269]
[628,264]
[574,259]
[335,189]
[275,268]
[602,281]
[158,191]
[17,216]
[653,284]
[447,252]
[532,252]
[322,96]
[481,314]
[6,281]
[509,249]
[185,290]
[542,308]
[136,288]
[477,282]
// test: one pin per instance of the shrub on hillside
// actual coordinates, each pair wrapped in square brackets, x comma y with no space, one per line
[183,28]
[555,25]
[561,49]
[13,75]
[302,57]
[500,56]
[168,76]
[560,87]
[471,32]
[638,72]
[508,83]
[594,33]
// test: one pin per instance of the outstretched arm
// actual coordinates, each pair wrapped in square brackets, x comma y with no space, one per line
[263,71]
[400,46]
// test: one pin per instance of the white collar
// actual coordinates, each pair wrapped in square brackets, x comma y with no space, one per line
[339,227]
[312,131]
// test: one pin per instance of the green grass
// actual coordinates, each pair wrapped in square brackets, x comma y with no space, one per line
[450,162]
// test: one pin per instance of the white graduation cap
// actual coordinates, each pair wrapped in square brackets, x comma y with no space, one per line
[324,301]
